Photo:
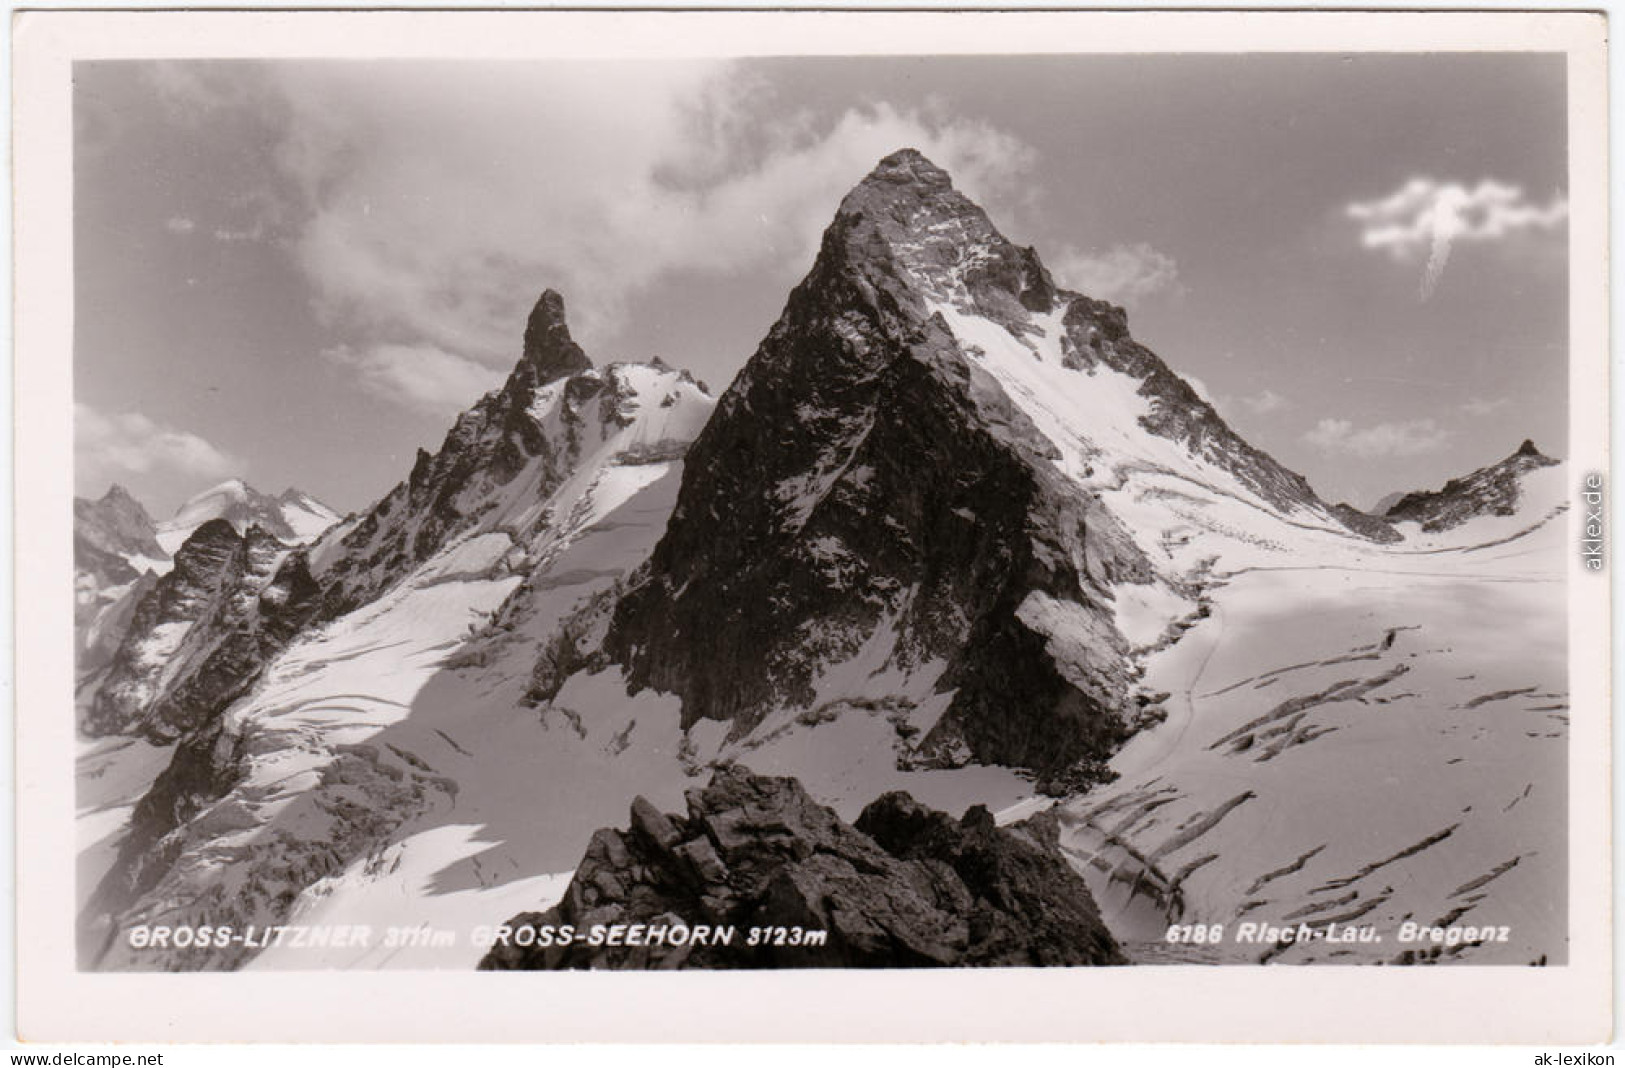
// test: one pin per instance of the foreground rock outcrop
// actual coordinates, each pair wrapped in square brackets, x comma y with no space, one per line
[906,886]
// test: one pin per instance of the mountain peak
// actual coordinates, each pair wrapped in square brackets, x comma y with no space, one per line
[1493,490]
[906,225]
[117,493]
[910,192]
[909,166]
[233,501]
[550,352]
[235,487]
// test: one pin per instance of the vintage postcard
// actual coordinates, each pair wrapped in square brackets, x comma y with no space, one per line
[572,519]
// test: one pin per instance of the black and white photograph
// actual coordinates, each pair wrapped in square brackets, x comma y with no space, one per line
[1108,514]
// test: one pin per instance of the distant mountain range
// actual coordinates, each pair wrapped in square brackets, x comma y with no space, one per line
[119,551]
[293,516]
[951,530]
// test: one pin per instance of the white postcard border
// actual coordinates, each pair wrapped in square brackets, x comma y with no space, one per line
[1570,1004]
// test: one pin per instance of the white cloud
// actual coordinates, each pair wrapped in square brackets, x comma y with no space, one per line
[1261,403]
[107,445]
[435,208]
[1427,218]
[179,224]
[1384,440]
[1123,274]
[418,376]
[1265,402]
[1479,406]
[254,232]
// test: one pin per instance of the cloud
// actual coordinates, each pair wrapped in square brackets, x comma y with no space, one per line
[1426,218]
[1478,406]
[1384,440]
[255,232]
[1265,402]
[419,377]
[1123,274]
[111,444]
[179,224]
[434,201]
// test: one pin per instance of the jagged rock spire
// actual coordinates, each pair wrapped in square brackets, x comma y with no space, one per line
[550,353]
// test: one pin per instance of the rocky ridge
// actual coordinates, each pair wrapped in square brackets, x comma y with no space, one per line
[904,887]
[537,424]
[1492,490]
[228,600]
[153,683]
[518,478]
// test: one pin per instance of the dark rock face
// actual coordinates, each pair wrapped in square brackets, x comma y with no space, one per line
[864,471]
[487,447]
[256,624]
[905,887]
[229,601]
[1492,490]
[206,764]
[205,566]
[1366,524]
[550,353]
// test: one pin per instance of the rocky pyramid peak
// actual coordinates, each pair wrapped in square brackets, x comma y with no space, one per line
[117,494]
[906,222]
[909,190]
[550,353]
[909,166]
[1528,449]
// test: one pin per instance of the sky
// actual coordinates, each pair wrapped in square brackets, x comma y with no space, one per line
[300,272]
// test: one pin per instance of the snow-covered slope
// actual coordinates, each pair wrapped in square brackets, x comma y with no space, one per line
[305,516]
[1357,738]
